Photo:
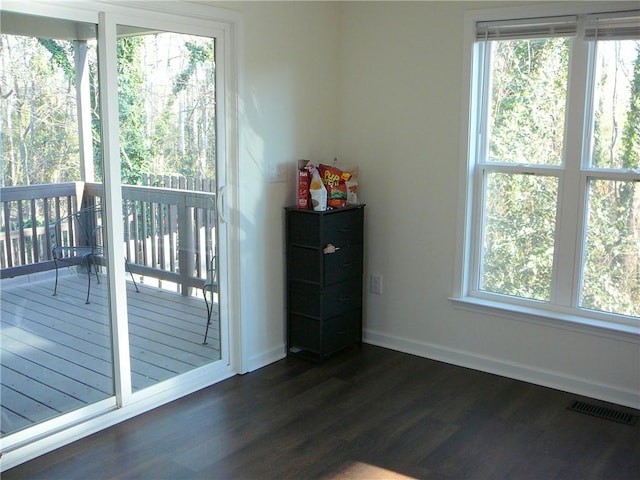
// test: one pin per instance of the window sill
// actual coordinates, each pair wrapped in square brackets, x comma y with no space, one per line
[565,321]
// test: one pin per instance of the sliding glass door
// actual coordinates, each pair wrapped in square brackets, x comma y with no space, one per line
[168,150]
[112,236]
[55,330]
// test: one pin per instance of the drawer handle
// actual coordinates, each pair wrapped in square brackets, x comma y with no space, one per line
[344,230]
[346,265]
[344,299]
[330,248]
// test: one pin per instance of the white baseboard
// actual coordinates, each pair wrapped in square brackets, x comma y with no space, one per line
[557,380]
[262,360]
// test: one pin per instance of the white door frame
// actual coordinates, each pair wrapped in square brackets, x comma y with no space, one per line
[203,20]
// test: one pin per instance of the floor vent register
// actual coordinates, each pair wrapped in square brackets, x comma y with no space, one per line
[604,412]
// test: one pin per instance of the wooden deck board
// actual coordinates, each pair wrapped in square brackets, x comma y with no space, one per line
[10,421]
[91,362]
[25,406]
[55,350]
[46,394]
[40,373]
[92,379]
[165,312]
[154,348]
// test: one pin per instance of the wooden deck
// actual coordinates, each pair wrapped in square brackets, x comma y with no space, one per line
[56,355]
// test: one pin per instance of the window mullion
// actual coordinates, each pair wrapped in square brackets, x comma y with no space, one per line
[571,204]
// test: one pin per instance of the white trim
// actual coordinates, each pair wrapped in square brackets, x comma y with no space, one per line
[238,326]
[46,428]
[565,321]
[469,91]
[119,318]
[569,248]
[497,366]
[572,177]
[549,10]
[180,8]
[266,358]
[62,10]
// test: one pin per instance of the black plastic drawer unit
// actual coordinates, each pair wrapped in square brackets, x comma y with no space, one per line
[324,280]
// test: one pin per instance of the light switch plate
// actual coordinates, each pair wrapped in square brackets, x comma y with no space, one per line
[277,172]
[375,284]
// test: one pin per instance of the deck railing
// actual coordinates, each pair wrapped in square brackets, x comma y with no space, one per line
[169,233]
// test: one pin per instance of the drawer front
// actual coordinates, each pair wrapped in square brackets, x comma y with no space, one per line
[303,228]
[344,228]
[304,264]
[325,302]
[344,264]
[325,337]
[305,300]
[305,333]
[342,297]
[341,331]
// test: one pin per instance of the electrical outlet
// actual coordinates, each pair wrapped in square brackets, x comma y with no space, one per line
[375,283]
[277,172]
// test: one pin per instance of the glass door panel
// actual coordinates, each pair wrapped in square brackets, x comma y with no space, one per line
[55,333]
[167,115]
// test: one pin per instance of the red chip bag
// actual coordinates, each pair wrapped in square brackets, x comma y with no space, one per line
[334,180]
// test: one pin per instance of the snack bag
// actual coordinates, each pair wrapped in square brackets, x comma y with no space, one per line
[317,190]
[303,189]
[352,186]
[334,179]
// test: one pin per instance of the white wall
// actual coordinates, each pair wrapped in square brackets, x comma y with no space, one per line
[400,71]
[287,112]
[379,84]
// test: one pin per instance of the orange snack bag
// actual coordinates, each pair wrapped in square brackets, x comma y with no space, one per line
[334,180]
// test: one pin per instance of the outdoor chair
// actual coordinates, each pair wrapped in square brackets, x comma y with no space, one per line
[77,240]
[208,289]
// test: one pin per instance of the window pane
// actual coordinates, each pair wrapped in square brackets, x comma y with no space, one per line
[616,134]
[611,277]
[39,113]
[55,329]
[167,100]
[518,236]
[527,101]
[167,106]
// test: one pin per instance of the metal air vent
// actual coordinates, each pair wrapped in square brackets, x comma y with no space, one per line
[604,412]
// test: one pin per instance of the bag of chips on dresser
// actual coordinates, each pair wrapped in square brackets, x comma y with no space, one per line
[334,179]
[352,185]
[317,190]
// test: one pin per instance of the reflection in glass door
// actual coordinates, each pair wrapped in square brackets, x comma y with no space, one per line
[167,116]
[55,333]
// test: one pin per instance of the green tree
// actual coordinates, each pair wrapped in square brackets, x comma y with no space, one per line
[134,153]
[631,129]
[526,126]
[612,263]
[528,98]
[185,131]
[61,56]
[39,127]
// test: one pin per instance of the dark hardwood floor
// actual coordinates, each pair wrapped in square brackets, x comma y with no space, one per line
[365,413]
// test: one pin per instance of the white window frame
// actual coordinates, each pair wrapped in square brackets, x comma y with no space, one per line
[562,310]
